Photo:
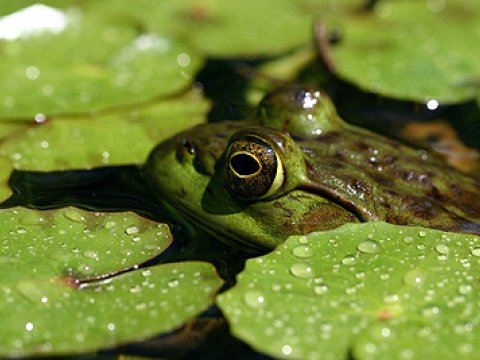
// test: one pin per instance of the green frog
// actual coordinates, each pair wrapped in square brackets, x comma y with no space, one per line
[297,167]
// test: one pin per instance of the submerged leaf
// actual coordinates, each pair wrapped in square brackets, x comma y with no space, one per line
[375,290]
[64,286]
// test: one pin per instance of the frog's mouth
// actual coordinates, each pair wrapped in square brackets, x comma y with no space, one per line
[218,231]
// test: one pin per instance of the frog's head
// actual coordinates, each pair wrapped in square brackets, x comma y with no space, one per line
[244,181]
[302,111]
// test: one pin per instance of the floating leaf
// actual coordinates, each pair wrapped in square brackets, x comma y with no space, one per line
[375,290]
[230,28]
[116,139]
[84,63]
[48,306]
[430,51]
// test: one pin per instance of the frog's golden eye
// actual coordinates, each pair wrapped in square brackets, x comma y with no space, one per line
[253,169]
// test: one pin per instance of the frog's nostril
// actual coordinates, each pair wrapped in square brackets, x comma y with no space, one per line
[245,164]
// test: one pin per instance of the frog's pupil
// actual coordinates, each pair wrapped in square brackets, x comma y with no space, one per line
[244,164]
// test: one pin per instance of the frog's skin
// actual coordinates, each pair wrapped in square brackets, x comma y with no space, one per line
[296,168]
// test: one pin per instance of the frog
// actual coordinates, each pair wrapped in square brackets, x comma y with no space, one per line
[295,167]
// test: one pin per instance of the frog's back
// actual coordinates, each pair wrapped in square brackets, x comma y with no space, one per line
[394,182]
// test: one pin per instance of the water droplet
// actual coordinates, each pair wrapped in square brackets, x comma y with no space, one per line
[254,299]
[136,289]
[146,273]
[408,239]
[32,72]
[320,289]
[476,251]
[302,270]
[349,260]
[303,240]
[32,218]
[173,283]
[414,278]
[287,350]
[465,289]
[111,327]
[442,249]
[302,251]
[21,230]
[140,306]
[465,349]
[110,225]
[369,247]
[133,229]
[422,233]
[431,311]
[73,215]
[29,326]
[90,254]
[136,238]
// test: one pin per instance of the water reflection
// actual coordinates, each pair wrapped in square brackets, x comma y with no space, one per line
[32,20]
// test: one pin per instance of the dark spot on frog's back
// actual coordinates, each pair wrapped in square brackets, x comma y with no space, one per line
[330,137]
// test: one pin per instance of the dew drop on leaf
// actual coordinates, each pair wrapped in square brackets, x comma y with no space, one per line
[414,278]
[110,225]
[320,289]
[73,215]
[131,230]
[32,218]
[476,251]
[369,247]
[302,270]
[465,289]
[254,299]
[408,239]
[173,283]
[431,311]
[90,254]
[442,249]
[349,260]
[302,251]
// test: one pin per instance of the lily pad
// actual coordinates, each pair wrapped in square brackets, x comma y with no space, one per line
[374,290]
[430,51]
[219,28]
[114,139]
[84,63]
[64,289]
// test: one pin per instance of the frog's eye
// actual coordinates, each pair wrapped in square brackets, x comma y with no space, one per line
[253,169]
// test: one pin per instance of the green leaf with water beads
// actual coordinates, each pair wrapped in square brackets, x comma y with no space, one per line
[47,306]
[217,28]
[112,139]
[86,63]
[374,290]
[417,50]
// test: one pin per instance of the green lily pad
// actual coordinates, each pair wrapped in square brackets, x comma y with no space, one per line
[115,139]
[6,169]
[64,289]
[85,63]
[230,28]
[430,50]
[374,290]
